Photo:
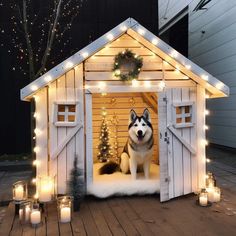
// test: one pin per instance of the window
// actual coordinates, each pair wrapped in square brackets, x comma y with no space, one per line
[183,115]
[65,114]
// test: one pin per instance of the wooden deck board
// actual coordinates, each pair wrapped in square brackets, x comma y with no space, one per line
[138,215]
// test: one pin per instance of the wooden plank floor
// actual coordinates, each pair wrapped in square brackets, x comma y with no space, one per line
[138,215]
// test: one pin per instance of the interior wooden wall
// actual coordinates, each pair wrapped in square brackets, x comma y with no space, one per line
[120,104]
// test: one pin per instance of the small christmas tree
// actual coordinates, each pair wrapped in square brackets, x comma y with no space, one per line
[104,147]
[76,184]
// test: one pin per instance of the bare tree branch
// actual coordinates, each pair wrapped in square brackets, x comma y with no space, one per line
[51,37]
[28,42]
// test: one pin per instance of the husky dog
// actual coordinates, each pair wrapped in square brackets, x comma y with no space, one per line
[138,149]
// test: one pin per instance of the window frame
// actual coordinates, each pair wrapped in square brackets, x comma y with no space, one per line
[183,115]
[65,123]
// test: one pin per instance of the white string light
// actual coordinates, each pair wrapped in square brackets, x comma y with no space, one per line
[188,67]
[35,163]
[207,112]
[155,41]
[208,160]
[47,78]
[141,31]
[110,36]
[102,85]
[206,127]
[123,28]
[135,83]
[174,54]
[219,85]
[36,149]
[68,65]
[147,84]
[85,54]
[37,131]
[34,87]
[204,77]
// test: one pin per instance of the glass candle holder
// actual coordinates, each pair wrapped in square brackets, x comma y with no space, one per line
[217,194]
[65,208]
[210,180]
[20,191]
[25,211]
[35,215]
[203,197]
[45,188]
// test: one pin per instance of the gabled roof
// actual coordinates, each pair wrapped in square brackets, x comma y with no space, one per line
[155,44]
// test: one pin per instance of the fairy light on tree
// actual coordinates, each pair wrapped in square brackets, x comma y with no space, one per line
[31,35]
[104,148]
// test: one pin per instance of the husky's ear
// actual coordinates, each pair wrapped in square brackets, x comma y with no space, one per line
[146,114]
[132,115]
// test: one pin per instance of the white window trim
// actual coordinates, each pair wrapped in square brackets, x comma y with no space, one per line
[183,115]
[66,113]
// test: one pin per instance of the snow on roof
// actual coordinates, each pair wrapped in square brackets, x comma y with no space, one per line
[133,28]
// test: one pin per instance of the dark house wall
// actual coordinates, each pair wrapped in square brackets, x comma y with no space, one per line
[96,17]
[177,36]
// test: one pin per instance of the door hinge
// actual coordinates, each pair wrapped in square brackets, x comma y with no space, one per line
[166,139]
[167,179]
[165,99]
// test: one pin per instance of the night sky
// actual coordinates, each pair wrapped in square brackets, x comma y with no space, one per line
[95,18]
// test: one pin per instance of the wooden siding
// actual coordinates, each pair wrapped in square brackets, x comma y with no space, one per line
[99,66]
[215,51]
[169,9]
[121,107]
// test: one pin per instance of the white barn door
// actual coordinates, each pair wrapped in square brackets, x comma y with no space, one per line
[178,146]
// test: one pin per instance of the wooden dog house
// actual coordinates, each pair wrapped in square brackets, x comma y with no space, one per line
[66,98]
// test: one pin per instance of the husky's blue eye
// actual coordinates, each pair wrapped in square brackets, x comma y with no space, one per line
[143,125]
[135,125]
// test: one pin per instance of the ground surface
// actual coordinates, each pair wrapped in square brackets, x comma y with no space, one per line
[135,216]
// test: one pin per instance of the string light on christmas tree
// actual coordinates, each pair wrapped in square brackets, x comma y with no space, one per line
[104,148]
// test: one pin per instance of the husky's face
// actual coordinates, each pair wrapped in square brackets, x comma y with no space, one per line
[140,127]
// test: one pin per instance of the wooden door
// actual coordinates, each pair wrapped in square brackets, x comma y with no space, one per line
[178,147]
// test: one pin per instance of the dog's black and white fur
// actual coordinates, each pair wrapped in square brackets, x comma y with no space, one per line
[138,149]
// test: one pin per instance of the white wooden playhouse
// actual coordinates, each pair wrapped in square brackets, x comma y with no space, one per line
[69,98]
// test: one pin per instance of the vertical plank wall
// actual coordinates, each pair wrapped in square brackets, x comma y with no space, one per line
[66,88]
[182,165]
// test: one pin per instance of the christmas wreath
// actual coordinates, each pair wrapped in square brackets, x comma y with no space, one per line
[127,65]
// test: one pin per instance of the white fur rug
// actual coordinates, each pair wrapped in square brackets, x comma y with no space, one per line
[120,184]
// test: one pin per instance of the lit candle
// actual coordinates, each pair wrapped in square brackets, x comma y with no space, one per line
[21,214]
[27,213]
[45,190]
[217,194]
[19,193]
[65,214]
[203,200]
[35,217]
[210,191]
